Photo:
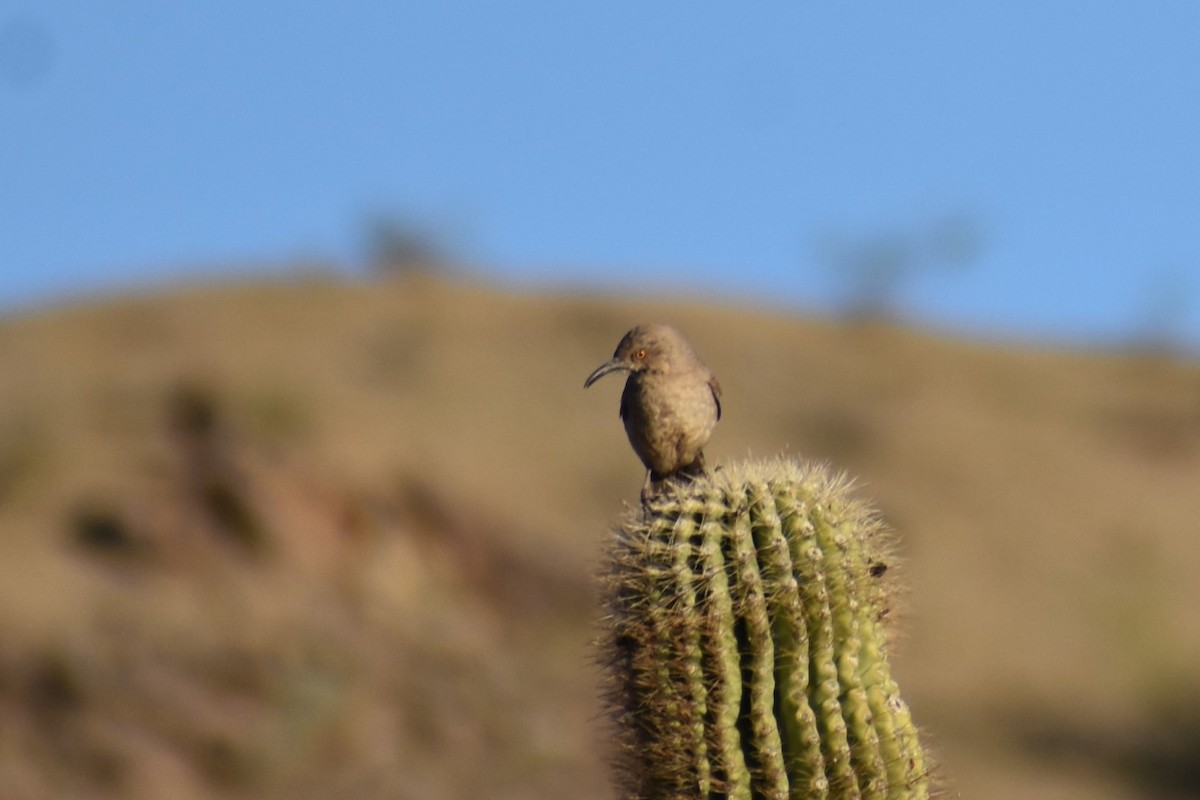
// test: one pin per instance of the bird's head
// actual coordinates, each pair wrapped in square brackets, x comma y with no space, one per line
[646,348]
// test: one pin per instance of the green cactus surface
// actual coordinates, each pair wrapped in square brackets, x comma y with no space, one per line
[744,643]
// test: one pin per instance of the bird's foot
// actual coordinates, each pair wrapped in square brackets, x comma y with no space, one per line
[656,483]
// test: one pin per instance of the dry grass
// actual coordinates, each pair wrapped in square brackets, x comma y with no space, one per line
[324,539]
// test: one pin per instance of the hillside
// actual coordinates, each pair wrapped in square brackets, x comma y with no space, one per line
[330,539]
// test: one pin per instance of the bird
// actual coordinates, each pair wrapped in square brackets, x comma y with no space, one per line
[670,405]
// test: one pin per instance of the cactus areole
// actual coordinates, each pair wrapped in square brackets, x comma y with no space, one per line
[744,643]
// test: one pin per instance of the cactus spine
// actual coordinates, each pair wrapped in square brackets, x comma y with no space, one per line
[744,644]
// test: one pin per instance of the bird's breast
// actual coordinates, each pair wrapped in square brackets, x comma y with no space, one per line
[668,418]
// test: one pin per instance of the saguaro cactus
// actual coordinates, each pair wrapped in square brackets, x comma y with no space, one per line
[744,643]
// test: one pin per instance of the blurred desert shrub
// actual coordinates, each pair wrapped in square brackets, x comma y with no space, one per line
[396,246]
[874,269]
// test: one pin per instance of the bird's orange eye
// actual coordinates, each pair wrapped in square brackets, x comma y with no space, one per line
[640,354]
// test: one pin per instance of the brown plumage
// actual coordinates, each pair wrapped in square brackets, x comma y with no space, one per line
[671,401]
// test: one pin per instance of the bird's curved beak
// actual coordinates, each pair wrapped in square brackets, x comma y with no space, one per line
[612,365]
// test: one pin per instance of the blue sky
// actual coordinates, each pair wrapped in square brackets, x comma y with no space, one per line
[714,148]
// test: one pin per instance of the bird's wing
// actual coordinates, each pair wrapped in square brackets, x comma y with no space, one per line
[716,393]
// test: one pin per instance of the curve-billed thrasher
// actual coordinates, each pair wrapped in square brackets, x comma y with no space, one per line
[671,401]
